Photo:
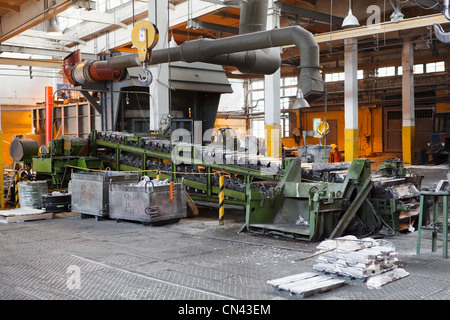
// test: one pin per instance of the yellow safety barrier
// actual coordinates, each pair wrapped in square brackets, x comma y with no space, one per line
[221,199]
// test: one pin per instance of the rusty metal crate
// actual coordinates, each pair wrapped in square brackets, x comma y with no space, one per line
[147,202]
[90,193]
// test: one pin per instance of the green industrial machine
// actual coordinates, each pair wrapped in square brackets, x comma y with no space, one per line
[313,210]
[395,194]
[274,192]
[63,156]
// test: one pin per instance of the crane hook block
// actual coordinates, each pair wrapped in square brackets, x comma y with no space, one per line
[144,37]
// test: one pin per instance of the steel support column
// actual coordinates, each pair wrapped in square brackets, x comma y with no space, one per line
[272,97]
[408,123]
[160,87]
[351,99]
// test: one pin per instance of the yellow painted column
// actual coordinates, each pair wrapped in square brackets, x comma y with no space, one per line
[351,147]
[273,140]
[408,135]
[2,182]
[408,103]
[351,144]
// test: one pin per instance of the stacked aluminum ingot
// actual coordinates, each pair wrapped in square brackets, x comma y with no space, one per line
[355,258]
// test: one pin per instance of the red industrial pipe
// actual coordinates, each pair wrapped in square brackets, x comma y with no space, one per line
[81,72]
[70,62]
[48,113]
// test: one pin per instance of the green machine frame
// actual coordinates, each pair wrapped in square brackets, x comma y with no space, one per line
[275,203]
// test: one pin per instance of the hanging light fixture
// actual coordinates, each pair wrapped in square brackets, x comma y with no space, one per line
[53,27]
[350,20]
[422,44]
[300,101]
[172,43]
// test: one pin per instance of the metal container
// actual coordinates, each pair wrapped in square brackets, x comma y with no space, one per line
[90,193]
[56,202]
[314,153]
[30,193]
[147,202]
[23,149]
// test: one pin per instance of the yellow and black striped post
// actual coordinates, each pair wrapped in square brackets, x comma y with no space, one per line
[221,199]
[16,188]
[2,177]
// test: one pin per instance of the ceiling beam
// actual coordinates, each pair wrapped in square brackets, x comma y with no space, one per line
[306,13]
[31,63]
[9,7]
[197,24]
[44,35]
[31,14]
[93,16]
[364,31]
[42,52]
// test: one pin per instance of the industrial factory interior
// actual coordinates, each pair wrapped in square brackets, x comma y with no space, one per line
[233,157]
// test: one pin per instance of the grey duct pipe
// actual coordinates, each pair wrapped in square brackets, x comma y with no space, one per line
[447,9]
[241,51]
[253,51]
[441,35]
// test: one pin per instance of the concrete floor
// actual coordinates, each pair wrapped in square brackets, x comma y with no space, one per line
[195,259]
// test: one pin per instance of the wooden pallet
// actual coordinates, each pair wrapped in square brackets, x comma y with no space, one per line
[23,214]
[306,284]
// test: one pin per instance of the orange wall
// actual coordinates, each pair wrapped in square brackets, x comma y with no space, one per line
[13,123]
[370,128]
[239,125]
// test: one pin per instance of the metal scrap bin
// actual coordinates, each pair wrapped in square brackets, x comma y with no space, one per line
[90,190]
[148,202]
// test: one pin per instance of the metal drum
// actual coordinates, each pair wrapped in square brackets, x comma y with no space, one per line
[90,190]
[30,193]
[148,202]
[23,149]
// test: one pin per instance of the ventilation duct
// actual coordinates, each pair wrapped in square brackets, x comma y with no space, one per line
[254,50]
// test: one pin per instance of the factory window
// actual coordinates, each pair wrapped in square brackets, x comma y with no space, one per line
[426,68]
[290,81]
[335,76]
[360,74]
[101,6]
[435,67]
[114,4]
[257,85]
[285,125]
[257,128]
[418,69]
[284,104]
[386,72]
[289,92]
[340,76]
[257,101]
